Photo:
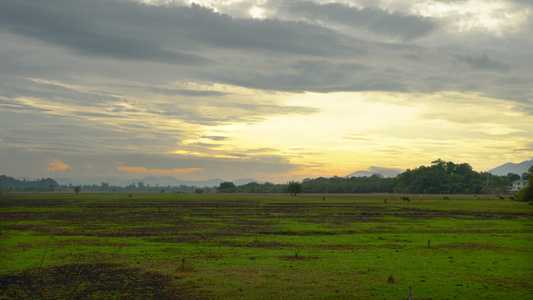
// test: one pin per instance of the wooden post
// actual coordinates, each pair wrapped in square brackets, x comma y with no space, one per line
[429,242]
[410,293]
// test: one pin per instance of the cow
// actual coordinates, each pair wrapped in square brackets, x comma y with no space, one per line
[446,198]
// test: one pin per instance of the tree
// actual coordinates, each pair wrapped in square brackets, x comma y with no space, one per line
[526,194]
[199,191]
[104,186]
[227,187]
[294,188]
[77,189]
[512,177]
[440,178]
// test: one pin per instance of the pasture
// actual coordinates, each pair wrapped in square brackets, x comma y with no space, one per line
[243,246]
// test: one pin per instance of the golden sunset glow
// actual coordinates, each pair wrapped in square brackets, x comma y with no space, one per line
[57,165]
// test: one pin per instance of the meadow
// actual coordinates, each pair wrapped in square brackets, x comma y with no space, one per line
[248,246]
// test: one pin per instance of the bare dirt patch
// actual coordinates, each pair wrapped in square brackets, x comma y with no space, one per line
[341,247]
[95,281]
[256,244]
[477,246]
[298,257]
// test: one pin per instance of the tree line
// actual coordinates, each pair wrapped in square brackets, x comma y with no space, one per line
[441,177]
[39,185]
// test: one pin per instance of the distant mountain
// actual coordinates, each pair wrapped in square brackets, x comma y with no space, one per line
[507,168]
[152,181]
[385,172]
[244,181]
[26,178]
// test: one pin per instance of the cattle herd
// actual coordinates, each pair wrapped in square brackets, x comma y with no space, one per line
[407,199]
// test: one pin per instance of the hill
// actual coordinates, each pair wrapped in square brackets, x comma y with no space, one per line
[385,172]
[507,168]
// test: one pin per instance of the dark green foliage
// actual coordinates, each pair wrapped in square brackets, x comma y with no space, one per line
[512,177]
[442,178]
[373,184]
[526,194]
[294,188]
[227,187]
[267,187]
[39,185]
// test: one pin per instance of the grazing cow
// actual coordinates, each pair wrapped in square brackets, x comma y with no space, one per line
[501,198]
[420,198]
[512,198]
[393,199]
[406,199]
[385,200]
[446,198]
[130,196]
[487,198]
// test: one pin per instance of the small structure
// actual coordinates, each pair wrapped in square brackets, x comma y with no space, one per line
[517,185]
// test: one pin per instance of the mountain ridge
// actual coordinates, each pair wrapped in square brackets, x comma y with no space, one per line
[372,170]
[516,168]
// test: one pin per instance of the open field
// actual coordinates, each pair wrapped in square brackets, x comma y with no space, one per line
[264,247]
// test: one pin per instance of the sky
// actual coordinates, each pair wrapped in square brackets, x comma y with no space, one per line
[271,90]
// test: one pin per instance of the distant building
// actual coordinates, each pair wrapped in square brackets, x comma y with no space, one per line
[518,185]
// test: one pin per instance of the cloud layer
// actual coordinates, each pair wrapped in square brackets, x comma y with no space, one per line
[271,89]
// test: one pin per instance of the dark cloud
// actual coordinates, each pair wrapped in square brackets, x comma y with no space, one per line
[98,115]
[214,138]
[131,31]
[378,21]
[145,43]
[100,28]
[185,92]
[482,62]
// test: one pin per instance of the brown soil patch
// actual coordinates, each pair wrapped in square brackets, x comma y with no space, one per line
[477,246]
[256,244]
[341,247]
[94,281]
[297,258]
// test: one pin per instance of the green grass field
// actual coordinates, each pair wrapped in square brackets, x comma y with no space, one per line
[108,246]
